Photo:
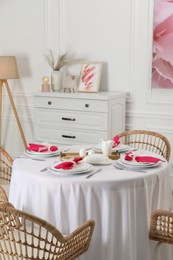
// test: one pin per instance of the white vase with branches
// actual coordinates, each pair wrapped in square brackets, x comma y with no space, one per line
[57,65]
[56,80]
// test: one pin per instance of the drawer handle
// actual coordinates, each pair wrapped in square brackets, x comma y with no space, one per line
[68,119]
[69,136]
[87,105]
[49,103]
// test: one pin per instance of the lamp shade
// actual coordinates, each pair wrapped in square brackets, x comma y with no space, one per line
[8,67]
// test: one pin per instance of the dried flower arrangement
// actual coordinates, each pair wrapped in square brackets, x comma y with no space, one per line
[62,60]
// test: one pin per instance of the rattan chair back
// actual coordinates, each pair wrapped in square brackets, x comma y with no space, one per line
[6,162]
[24,236]
[148,140]
[161,226]
[3,195]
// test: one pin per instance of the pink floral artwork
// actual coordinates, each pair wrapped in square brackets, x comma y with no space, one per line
[90,77]
[162,63]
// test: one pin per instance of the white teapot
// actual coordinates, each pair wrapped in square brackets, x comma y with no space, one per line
[106,146]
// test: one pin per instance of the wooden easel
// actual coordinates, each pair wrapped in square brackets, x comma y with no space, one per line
[13,107]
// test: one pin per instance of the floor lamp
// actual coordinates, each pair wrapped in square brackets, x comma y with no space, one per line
[8,70]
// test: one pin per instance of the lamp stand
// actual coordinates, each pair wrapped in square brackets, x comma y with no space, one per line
[13,107]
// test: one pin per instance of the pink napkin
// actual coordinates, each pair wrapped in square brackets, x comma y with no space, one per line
[53,148]
[116,141]
[69,164]
[41,148]
[147,159]
[65,165]
[130,156]
[77,159]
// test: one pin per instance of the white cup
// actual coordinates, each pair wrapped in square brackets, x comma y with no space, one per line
[106,147]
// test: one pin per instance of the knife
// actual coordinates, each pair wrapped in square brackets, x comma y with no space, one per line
[90,175]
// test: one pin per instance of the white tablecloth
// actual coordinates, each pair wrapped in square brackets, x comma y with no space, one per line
[120,202]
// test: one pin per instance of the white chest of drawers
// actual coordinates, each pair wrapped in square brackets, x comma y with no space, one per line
[74,118]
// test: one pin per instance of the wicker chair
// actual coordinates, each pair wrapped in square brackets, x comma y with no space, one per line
[3,195]
[24,236]
[148,140]
[6,162]
[161,226]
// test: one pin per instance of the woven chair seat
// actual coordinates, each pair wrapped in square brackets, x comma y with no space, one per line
[161,226]
[24,236]
[36,246]
[6,188]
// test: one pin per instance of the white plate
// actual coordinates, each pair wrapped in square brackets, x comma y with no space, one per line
[137,165]
[97,159]
[103,163]
[62,172]
[135,168]
[43,154]
[65,174]
[119,148]
[78,168]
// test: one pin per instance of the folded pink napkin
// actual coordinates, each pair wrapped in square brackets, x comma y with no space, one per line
[116,141]
[53,148]
[69,164]
[130,156]
[65,165]
[147,159]
[41,148]
[77,159]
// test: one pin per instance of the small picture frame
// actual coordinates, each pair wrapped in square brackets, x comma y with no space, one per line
[90,76]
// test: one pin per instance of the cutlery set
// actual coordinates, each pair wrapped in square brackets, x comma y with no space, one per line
[127,169]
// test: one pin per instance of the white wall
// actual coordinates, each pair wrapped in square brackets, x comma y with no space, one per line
[119,33]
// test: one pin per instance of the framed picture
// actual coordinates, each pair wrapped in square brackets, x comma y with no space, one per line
[162,60]
[90,76]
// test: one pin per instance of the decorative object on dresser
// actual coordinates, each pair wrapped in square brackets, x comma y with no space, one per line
[57,65]
[66,118]
[90,76]
[45,84]
[70,83]
[8,70]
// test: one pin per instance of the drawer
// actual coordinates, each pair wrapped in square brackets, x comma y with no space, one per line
[67,136]
[85,105]
[71,119]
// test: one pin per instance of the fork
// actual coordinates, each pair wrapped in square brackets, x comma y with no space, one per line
[25,157]
[45,168]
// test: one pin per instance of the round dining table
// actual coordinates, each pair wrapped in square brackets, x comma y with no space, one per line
[120,202]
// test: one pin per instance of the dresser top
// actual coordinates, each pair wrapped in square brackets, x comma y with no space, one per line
[100,95]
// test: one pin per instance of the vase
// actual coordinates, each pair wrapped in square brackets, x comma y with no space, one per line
[56,80]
